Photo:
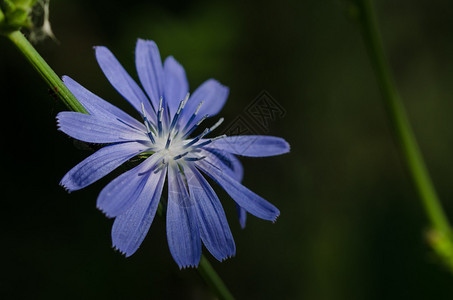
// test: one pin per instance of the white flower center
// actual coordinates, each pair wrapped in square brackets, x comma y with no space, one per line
[169,137]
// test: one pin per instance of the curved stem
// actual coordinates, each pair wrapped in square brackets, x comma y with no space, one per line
[45,71]
[441,237]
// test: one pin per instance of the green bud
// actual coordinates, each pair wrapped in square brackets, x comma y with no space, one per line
[15,14]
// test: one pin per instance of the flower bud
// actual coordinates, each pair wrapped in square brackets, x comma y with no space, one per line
[15,14]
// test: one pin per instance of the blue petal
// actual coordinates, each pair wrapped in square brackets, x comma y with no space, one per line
[244,197]
[252,145]
[212,93]
[99,107]
[100,164]
[183,234]
[122,81]
[232,166]
[123,191]
[92,129]
[214,230]
[176,85]
[130,228]
[149,69]
[236,167]
[227,161]
[242,215]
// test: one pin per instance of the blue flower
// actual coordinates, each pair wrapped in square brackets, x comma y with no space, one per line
[161,138]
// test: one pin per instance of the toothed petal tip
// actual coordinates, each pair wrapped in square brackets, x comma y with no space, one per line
[182,267]
[66,185]
[123,253]
[68,190]
[104,212]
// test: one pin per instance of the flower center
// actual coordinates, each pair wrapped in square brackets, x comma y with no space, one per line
[170,139]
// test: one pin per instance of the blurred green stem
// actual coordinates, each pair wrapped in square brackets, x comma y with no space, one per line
[205,269]
[213,280]
[45,71]
[440,235]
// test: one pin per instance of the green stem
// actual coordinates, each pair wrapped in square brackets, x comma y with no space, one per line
[213,280]
[404,134]
[45,71]
[205,269]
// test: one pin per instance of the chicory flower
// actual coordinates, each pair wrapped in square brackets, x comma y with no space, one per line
[162,139]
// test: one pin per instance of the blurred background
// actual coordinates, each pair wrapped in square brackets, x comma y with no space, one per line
[351,225]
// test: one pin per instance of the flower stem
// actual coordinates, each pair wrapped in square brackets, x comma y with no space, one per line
[205,269]
[45,71]
[440,235]
[213,280]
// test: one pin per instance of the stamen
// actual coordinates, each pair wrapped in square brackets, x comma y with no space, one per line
[158,169]
[202,119]
[148,125]
[160,103]
[174,122]
[219,137]
[176,133]
[180,155]
[193,116]
[198,107]
[159,117]
[145,118]
[168,143]
[165,112]
[219,122]
[203,144]
[209,141]
[194,126]
[205,132]
[194,158]
[186,98]
[178,113]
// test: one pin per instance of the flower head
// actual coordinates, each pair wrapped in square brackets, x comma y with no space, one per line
[162,138]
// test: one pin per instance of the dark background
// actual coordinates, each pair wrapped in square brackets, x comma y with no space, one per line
[351,225]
